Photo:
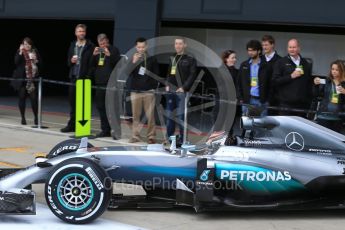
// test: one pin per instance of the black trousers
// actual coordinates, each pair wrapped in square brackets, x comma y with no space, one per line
[100,104]
[23,94]
[71,99]
[274,102]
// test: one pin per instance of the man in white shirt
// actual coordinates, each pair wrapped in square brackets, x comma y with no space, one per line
[271,57]
[293,79]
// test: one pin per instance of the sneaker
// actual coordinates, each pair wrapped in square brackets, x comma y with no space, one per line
[151,141]
[67,129]
[133,140]
[103,134]
[231,141]
[166,144]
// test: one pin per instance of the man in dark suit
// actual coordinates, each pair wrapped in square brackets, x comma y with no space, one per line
[271,57]
[103,61]
[293,78]
[253,82]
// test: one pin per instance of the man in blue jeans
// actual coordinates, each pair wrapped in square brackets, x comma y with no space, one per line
[180,78]
[254,82]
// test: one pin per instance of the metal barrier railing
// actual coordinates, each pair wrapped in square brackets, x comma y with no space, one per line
[210,97]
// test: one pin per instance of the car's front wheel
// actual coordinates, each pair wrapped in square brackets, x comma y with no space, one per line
[78,190]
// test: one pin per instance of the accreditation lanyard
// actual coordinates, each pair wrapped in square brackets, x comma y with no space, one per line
[335,95]
[142,69]
[254,82]
[174,65]
[101,59]
[254,72]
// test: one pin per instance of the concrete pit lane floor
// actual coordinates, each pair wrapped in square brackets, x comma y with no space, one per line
[19,144]
[45,219]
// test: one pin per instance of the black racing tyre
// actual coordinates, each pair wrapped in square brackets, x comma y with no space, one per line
[64,147]
[78,190]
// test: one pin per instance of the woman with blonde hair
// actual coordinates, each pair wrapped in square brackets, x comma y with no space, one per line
[333,101]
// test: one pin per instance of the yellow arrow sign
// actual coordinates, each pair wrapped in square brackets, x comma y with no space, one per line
[83,108]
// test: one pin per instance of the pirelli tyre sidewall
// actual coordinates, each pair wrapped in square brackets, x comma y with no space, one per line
[65,147]
[78,190]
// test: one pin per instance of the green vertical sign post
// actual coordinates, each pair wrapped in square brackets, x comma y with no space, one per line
[83,108]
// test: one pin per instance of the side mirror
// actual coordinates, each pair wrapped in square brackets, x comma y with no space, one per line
[249,123]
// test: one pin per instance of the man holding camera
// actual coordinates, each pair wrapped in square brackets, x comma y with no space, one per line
[103,61]
[142,90]
[293,79]
[79,55]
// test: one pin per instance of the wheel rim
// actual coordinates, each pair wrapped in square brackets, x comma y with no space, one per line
[75,191]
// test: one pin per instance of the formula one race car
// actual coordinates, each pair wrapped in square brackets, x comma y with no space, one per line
[285,163]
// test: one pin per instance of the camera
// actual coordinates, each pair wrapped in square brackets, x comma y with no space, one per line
[101,50]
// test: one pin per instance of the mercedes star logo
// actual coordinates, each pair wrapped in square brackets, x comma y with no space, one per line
[294,141]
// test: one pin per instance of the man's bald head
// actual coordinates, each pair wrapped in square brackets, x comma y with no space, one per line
[293,41]
[293,47]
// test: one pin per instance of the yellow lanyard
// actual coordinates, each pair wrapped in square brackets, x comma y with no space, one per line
[101,59]
[177,60]
[335,96]
[174,65]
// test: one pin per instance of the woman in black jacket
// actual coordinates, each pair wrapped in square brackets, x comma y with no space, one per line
[229,59]
[333,101]
[27,62]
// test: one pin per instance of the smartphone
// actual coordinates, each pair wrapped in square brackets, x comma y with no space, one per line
[322,81]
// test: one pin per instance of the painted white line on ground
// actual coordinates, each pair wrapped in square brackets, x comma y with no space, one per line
[45,219]
[27,128]
[48,122]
